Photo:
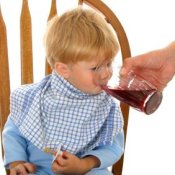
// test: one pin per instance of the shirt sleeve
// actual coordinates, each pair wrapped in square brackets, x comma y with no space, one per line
[13,143]
[109,154]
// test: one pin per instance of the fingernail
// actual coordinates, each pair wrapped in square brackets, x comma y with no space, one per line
[63,156]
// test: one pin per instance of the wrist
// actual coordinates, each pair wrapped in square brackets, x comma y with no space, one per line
[90,162]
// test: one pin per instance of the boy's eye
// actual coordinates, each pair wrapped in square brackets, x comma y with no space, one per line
[109,64]
[100,67]
[94,68]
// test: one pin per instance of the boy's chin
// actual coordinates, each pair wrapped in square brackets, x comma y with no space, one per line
[98,90]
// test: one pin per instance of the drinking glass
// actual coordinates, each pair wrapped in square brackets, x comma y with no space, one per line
[133,90]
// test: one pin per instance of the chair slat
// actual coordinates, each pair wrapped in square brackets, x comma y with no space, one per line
[4,75]
[4,79]
[26,45]
[53,12]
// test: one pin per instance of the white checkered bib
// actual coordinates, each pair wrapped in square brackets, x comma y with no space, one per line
[54,113]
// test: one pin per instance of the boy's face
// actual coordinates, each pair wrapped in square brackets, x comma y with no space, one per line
[86,75]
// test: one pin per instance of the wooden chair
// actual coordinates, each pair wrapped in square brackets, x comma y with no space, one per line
[27,63]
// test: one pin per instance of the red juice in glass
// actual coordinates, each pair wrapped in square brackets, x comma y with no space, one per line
[144,100]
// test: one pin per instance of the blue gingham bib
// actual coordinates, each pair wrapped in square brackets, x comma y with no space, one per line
[54,113]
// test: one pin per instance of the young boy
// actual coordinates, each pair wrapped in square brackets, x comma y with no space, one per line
[67,109]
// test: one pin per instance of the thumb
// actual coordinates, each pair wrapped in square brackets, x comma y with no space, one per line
[126,67]
[129,64]
[65,155]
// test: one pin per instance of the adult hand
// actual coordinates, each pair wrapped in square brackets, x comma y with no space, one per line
[157,67]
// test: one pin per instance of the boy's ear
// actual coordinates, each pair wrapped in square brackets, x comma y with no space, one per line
[62,69]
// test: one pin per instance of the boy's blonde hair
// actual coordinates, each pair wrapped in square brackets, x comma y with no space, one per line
[79,35]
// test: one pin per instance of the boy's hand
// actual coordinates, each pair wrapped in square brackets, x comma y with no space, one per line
[22,168]
[70,164]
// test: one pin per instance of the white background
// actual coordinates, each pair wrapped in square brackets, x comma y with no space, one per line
[149,24]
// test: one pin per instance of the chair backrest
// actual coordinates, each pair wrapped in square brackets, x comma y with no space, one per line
[27,58]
